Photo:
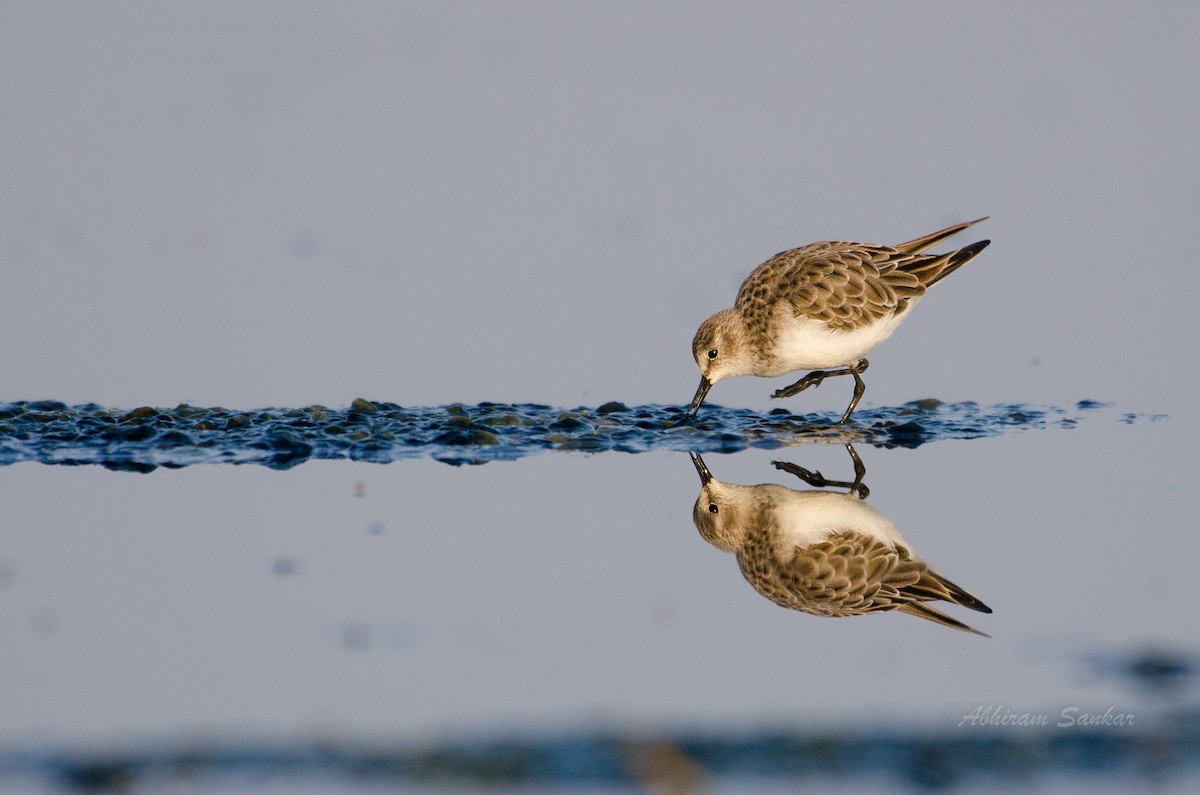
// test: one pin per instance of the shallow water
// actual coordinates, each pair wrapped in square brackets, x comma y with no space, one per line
[557,620]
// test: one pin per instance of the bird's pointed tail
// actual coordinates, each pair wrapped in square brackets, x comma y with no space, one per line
[931,269]
[931,240]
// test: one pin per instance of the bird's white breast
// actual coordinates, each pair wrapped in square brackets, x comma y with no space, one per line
[806,344]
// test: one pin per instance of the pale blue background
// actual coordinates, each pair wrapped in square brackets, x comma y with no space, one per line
[282,203]
[287,203]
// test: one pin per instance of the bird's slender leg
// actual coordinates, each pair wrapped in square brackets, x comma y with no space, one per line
[860,387]
[817,480]
[817,376]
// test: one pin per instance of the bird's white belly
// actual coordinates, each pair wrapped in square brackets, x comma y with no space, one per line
[805,344]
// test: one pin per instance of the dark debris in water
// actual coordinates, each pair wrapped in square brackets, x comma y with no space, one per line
[142,439]
[1158,669]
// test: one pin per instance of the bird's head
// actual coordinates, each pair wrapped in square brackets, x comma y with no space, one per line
[721,351]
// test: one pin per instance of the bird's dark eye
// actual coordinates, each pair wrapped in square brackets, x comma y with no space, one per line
[712,507]
[712,354]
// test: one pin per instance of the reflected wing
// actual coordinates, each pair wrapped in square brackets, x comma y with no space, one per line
[851,573]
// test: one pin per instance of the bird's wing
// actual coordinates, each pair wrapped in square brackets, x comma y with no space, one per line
[931,269]
[846,285]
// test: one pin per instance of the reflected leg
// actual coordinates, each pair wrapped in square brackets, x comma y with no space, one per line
[817,480]
[860,472]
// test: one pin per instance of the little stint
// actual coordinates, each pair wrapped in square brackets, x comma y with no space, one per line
[824,305]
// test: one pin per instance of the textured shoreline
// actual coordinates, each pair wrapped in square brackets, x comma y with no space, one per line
[145,438]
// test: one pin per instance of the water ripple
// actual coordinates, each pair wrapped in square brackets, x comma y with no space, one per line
[144,438]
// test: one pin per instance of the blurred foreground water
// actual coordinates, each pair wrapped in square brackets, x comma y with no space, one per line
[1060,747]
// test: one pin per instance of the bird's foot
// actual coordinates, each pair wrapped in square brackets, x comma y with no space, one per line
[813,379]
[818,481]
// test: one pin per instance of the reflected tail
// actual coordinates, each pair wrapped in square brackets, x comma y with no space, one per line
[923,610]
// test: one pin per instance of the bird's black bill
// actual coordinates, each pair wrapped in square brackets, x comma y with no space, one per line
[701,393]
[701,469]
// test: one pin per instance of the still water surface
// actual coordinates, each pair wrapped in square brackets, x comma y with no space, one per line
[565,601]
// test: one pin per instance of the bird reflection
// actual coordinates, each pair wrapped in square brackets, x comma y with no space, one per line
[824,552]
